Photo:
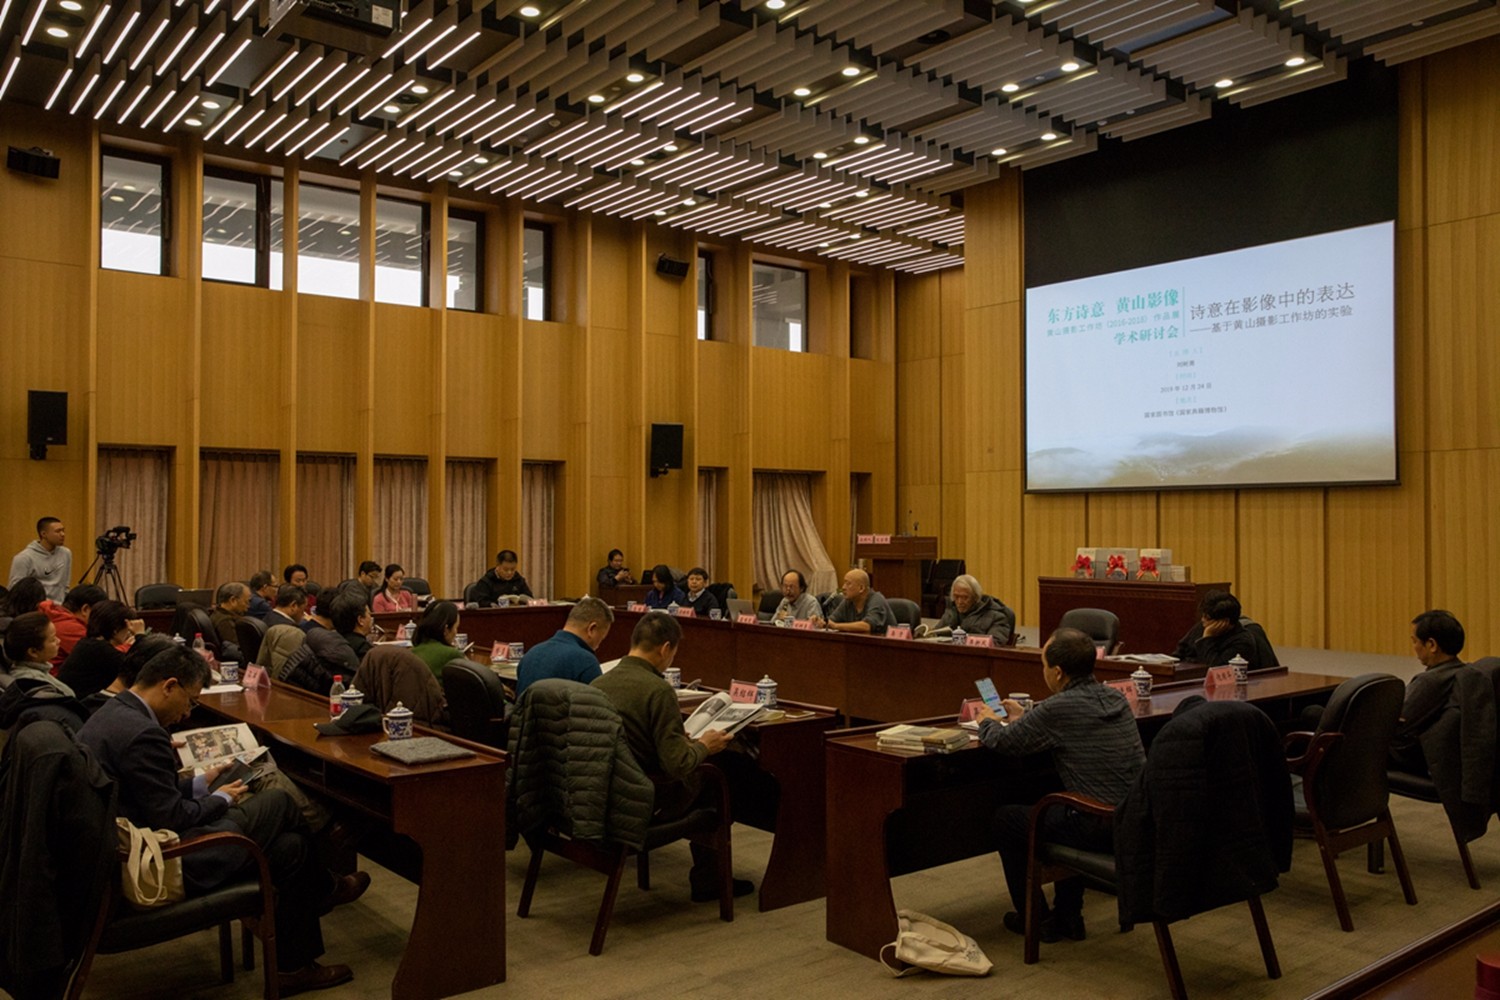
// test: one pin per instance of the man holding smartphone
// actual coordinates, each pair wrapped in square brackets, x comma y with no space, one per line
[1096,749]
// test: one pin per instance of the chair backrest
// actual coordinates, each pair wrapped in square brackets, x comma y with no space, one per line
[476,703]
[156,595]
[191,620]
[249,633]
[469,594]
[417,586]
[391,673]
[1262,644]
[1096,623]
[723,593]
[203,598]
[1350,782]
[769,602]
[905,612]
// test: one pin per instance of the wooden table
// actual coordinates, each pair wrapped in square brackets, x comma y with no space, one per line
[449,822]
[1153,616]
[1442,964]
[892,812]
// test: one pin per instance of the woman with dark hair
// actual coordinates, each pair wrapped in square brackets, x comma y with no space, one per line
[435,635]
[664,590]
[30,645]
[25,597]
[97,659]
[391,597]
[145,649]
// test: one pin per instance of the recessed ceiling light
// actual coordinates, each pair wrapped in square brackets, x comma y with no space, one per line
[116,197]
[825,204]
[481,160]
[1048,136]
[1070,67]
[820,155]
[419,88]
[861,194]
[670,147]
[689,201]
[823,244]
[211,105]
[71,5]
[128,187]
[775,4]
[56,32]
[999,152]
[596,98]
[1295,61]
[529,11]
[634,77]
[392,109]
[861,140]
[801,92]
[660,211]
[851,71]
[1224,83]
[455,173]
[192,122]
[637,163]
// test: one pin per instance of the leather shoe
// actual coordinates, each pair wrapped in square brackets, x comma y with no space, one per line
[312,977]
[346,889]
[707,894]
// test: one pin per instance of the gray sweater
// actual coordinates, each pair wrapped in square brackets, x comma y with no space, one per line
[53,568]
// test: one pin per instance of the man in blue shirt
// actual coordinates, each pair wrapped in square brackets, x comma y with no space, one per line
[569,655]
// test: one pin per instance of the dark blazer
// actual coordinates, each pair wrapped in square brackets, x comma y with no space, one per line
[1217,650]
[490,588]
[136,751]
[274,617]
[1426,699]
[92,666]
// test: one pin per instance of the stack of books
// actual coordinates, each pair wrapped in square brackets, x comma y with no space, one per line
[923,739]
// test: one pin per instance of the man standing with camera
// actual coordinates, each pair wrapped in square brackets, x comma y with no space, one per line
[47,559]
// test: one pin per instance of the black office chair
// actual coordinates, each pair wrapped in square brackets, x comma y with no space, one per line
[249,632]
[1267,655]
[1339,781]
[1096,623]
[769,602]
[156,595]
[724,593]
[905,612]
[417,586]
[470,600]
[190,620]
[202,597]
[477,708]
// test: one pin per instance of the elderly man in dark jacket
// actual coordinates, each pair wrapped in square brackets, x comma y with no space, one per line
[976,612]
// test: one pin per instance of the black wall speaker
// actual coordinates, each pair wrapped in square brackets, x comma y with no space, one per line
[666,448]
[46,420]
[671,267]
[35,160]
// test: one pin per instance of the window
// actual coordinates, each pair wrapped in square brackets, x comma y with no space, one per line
[236,227]
[327,241]
[465,260]
[536,271]
[705,296]
[400,252]
[133,213]
[278,235]
[780,298]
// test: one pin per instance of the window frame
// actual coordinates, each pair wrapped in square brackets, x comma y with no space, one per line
[262,184]
[706,277]
[424,255]
[806,273]
[165,163]
[478,218]
[549,311]
[324,183]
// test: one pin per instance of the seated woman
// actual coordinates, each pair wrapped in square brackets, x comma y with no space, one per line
[391,597]
[1218,637]
[435,636]
[97,660]
[664,590]
[976,612]
[698,597]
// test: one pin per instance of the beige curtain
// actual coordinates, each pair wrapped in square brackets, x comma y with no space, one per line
[785,535]
[401,515]
[239,515]
[325,517]
[538,496]
[135,488]
[708,522]
[467,517]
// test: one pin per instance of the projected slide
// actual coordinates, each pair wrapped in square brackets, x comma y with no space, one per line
[1269,365]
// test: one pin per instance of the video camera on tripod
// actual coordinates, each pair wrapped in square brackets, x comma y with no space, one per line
[114,540]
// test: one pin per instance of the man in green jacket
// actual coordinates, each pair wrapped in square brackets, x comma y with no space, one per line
[652,719]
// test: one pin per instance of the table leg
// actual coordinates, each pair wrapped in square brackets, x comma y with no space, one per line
[792,753]
[863,791]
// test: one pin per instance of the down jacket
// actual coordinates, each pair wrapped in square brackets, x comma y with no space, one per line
[571,768]
[1460,749]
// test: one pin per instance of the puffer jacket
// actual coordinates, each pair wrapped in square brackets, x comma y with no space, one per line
[571,768]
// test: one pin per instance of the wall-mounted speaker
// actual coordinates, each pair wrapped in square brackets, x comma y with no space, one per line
[670,267]
[35,160]
[46,420]
[666,448]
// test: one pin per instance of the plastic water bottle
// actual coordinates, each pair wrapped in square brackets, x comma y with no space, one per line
[409,630]
[959,635]
[336,697]
[765,691]
[198,646]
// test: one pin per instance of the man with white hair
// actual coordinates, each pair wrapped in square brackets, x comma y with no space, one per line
[862,609]
[976,612]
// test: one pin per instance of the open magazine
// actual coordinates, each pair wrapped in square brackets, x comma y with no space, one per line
[719,712]
[214,745]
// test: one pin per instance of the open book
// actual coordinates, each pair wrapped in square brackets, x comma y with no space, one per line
[1146,658]
[214,745]
[719,712]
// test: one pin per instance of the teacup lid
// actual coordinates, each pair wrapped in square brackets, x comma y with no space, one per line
[1141,672]
[1239,661]
[351,691]
[400,709]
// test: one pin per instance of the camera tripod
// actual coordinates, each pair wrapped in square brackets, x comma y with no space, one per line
[106,575]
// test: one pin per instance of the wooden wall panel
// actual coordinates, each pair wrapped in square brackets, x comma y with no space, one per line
[548,401]
[1463,353]
[618,448]
[992,250]
[242,327]
[330,386]
[1116,517]
[1200,527]
[483,383]
[996,539]
[145,340]
[405,380]
[47,221]
[872,391]
[721,399]
[1377,561]
[1463,531]
[992,389]
[1282,571]
[791,411]
[1054,524]
[1462,124]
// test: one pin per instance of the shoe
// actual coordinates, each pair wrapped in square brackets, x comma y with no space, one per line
[707,894]
[346,889]
[312,977]
[1051,929]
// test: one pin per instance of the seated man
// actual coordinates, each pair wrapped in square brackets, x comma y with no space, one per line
[325,654]
[262,593]
[295,574]
[614,574]
[128,737]
[569,654]
[649,710]
[1218,637]
[290,608]
[352,619]
[698,598]
[1437,638]
[976,612]
[499,581]
[369,577]
[796,603]
[862,609]
[1096,749]
[71,617]
[231,603]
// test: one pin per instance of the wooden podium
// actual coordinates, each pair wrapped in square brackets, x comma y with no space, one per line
[896,562]
[1153,616]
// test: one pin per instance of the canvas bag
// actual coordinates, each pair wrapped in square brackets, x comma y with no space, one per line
[924,942]
[147,880]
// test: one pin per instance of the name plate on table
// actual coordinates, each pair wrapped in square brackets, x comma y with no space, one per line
[537,602]
[898,632]
[635,606]
[499,651]
[864,539]
[255,677]
[805,624]
[880,539]
[746,619]
[969,710]
[1218,677]
[982,641]
[685,613]
[1127,688]
[742,692]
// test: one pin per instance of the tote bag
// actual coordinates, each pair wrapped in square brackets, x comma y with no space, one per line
[147,880]
[924,942]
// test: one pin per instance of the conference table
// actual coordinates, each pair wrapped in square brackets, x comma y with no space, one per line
[892,812]
[443,827]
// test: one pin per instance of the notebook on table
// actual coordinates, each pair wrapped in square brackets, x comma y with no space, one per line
[420,750]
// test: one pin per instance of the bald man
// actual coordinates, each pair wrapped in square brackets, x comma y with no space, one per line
[862,609]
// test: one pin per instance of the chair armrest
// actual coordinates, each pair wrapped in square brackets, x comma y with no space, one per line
[715,779]
[222,838]
[1300,739]
[1083,804]
[1317,749]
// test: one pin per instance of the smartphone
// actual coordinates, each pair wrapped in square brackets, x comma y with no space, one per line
[238,771]
[990,695]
